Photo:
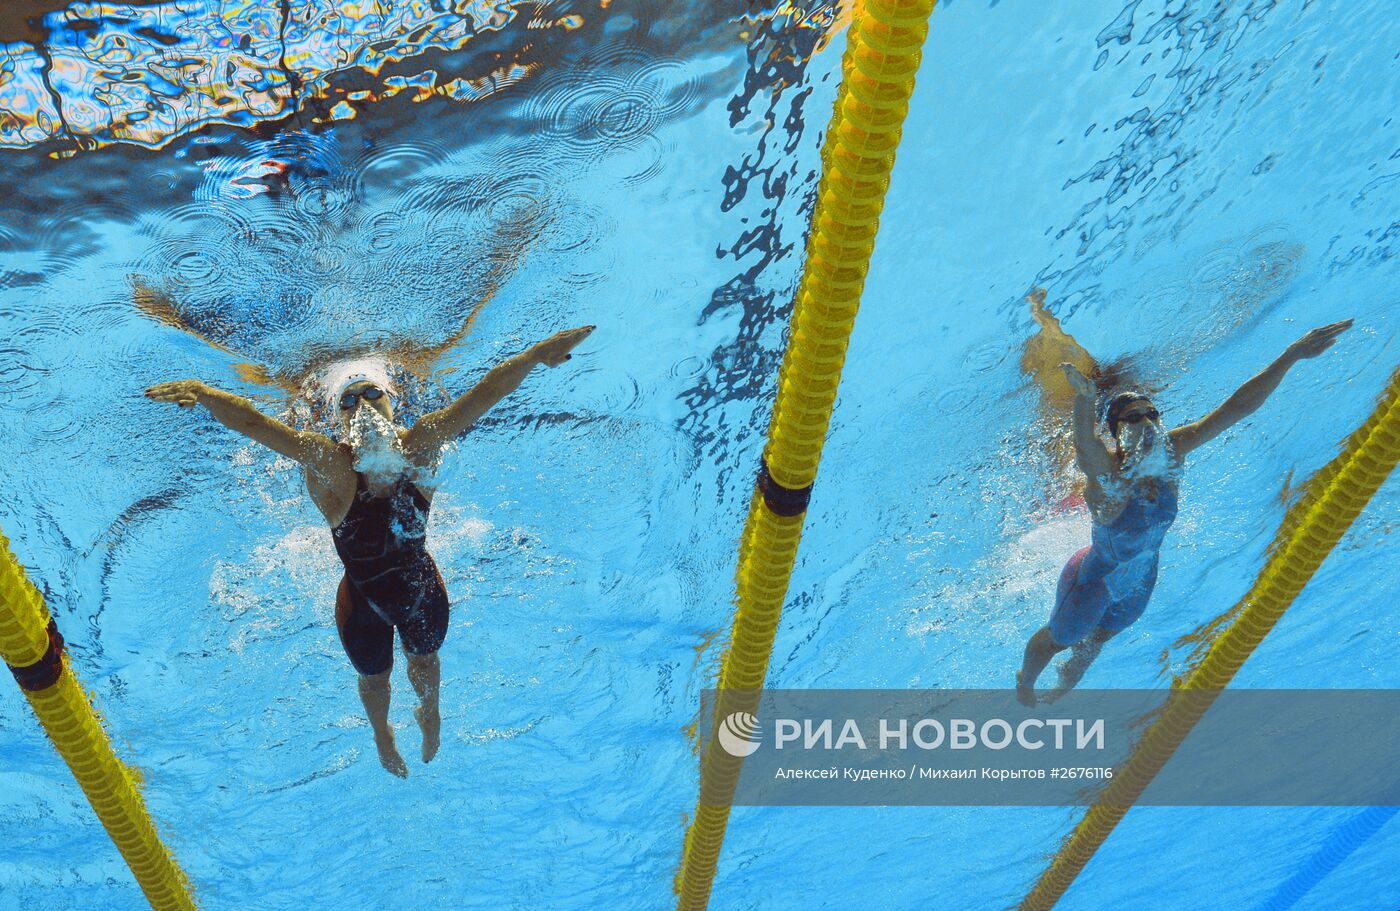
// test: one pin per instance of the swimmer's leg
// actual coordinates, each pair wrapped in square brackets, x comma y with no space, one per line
[425,673]
[422,633]
[374,693]
[369,643]
[1078,609]
[1117,617]
[1081,656]
[1039,651]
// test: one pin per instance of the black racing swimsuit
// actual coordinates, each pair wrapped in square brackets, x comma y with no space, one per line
[390,578]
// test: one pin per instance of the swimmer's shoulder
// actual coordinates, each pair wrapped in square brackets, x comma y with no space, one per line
[329,465]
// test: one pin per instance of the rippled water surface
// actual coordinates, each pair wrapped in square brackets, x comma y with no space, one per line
[251,193]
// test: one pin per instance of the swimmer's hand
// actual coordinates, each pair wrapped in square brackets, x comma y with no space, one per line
[554,350]
[1036,299]
[1081,383]
[1316,341]
[184,393]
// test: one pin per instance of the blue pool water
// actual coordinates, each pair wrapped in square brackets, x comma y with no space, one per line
[1196,183]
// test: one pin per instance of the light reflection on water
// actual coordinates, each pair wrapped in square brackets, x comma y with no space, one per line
[90,74]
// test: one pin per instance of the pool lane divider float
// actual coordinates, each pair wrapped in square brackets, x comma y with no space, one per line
[1331,500]
[883,50]
[32,647]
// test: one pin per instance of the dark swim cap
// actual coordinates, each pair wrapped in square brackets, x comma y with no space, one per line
[1114,408]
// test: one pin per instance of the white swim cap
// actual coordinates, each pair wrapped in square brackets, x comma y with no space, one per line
[338,377]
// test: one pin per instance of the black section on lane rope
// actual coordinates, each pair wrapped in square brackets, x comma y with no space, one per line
[785,501]
[43,673]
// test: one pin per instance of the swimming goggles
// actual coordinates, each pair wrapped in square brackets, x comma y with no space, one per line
[369,394]
[1134,418]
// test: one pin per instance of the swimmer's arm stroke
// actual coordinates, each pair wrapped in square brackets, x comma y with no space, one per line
[237,413]
[1247,399]
[1091,454]
[425,440]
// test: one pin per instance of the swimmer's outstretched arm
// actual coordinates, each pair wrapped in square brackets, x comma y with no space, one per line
[237,413]
[1247,399]
[436,429]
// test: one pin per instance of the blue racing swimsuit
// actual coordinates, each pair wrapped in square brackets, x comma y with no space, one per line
[1107,584]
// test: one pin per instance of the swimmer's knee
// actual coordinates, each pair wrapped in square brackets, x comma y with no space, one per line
[379,681]
[1045,639]
[1100,635]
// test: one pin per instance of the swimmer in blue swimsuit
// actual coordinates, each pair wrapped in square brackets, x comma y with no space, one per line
[1131,493]
[374,491]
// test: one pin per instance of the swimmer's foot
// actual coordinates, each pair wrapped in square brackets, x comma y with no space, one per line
[1069,677]
[389,756]
[1025,694]
[430,721]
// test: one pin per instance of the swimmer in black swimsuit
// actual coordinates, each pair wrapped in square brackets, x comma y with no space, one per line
[369,491]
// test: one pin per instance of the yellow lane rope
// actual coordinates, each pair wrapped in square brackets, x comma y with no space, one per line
[883,49]
[1331,500]
[26,644]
